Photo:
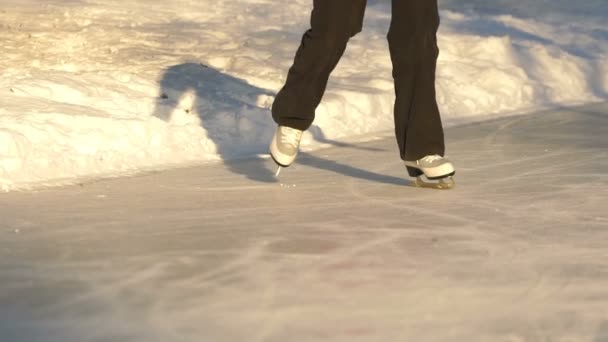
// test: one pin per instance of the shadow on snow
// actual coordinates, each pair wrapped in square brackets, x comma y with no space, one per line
[236,117]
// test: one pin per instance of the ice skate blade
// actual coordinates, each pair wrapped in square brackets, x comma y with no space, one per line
[442,184]
[279,168]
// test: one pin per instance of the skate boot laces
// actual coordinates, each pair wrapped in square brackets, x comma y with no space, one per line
[431,159]
[291,136]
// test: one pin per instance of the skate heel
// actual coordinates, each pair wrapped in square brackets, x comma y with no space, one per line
[414,172]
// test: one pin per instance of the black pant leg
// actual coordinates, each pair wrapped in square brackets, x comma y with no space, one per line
[413,46]
[333,23]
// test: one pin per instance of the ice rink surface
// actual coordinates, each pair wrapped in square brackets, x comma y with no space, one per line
[342,248]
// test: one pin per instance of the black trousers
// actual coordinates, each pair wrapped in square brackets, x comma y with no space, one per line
[413,48]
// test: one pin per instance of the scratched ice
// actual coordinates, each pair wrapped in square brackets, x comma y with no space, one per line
[342,248]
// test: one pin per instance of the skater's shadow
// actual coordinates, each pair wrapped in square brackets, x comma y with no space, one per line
[351,171]
[236,117]
[233,113]
[602,334]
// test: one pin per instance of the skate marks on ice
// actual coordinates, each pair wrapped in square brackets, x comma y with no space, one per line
[532,194]
[552,150]
[539,183]
[515,253]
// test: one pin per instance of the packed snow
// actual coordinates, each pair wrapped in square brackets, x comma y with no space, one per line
[93,88]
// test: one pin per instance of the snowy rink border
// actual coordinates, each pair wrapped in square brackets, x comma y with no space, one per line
[102,89]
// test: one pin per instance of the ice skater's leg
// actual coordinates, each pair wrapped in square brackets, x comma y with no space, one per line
[333,23]
[413,46]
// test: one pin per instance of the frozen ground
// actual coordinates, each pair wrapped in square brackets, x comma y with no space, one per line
[91,88]
[342,249]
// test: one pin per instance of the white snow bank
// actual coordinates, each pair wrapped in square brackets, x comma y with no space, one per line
[112,87]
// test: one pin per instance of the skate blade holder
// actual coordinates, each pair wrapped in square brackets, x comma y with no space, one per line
[279,166]
[443,183]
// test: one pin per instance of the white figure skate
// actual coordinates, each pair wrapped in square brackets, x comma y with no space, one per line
[434,168]
[285,146]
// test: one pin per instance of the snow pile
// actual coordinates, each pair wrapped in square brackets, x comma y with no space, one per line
[107,87]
